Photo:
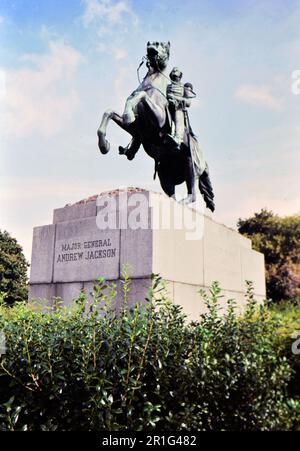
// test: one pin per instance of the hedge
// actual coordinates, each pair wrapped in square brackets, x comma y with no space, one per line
[147,368]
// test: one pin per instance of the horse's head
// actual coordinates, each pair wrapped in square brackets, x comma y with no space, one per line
[158,54]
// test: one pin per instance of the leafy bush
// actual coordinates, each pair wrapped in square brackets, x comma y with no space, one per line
[287,316]
[143,369]
[278,238]
[13,270]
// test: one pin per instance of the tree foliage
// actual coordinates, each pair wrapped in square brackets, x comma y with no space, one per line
[278,238]
[13,270]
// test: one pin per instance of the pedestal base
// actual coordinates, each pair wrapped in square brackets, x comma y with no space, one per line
[151,234]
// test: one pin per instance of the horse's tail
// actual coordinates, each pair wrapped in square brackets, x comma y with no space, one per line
[206,189]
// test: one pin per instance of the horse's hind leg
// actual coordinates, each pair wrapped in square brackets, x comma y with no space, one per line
[190,178]
[167,186]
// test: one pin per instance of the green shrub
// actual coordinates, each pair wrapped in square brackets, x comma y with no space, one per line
[287,316]
[143,369]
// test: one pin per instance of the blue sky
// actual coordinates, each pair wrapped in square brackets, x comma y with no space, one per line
[62,63]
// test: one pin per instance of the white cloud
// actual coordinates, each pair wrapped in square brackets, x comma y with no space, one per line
[124,83]
[48,33]
[2,20]
[2,84]
[107,10]
[40,97]
[117,52]
[259,96]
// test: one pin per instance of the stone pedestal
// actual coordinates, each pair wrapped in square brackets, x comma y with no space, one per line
[151,234]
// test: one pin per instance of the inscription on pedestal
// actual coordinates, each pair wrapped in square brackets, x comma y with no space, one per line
[88,250]
[83,252]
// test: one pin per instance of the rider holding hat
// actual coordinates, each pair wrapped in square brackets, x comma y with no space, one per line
[179,97]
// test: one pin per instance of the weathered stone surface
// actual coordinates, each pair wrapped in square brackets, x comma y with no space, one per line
[138,292]
[84,253]
[139,289]
[177,241]
[42,254]
[188,297]
[244,242]
[42,292]
[253,269]
[72,212]
[176,258]
[68,291]
[240,239]
[125,210]
[222,259]
[136,252]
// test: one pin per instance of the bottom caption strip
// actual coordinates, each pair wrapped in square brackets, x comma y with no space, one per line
[141,439]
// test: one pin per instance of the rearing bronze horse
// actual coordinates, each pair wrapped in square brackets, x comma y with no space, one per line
[147,119]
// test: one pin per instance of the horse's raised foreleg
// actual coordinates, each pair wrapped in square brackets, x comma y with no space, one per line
[103,144]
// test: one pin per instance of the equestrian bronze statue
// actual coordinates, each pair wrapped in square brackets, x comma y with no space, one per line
[156,117]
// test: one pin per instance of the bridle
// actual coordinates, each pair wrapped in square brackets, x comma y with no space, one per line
[149,63]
